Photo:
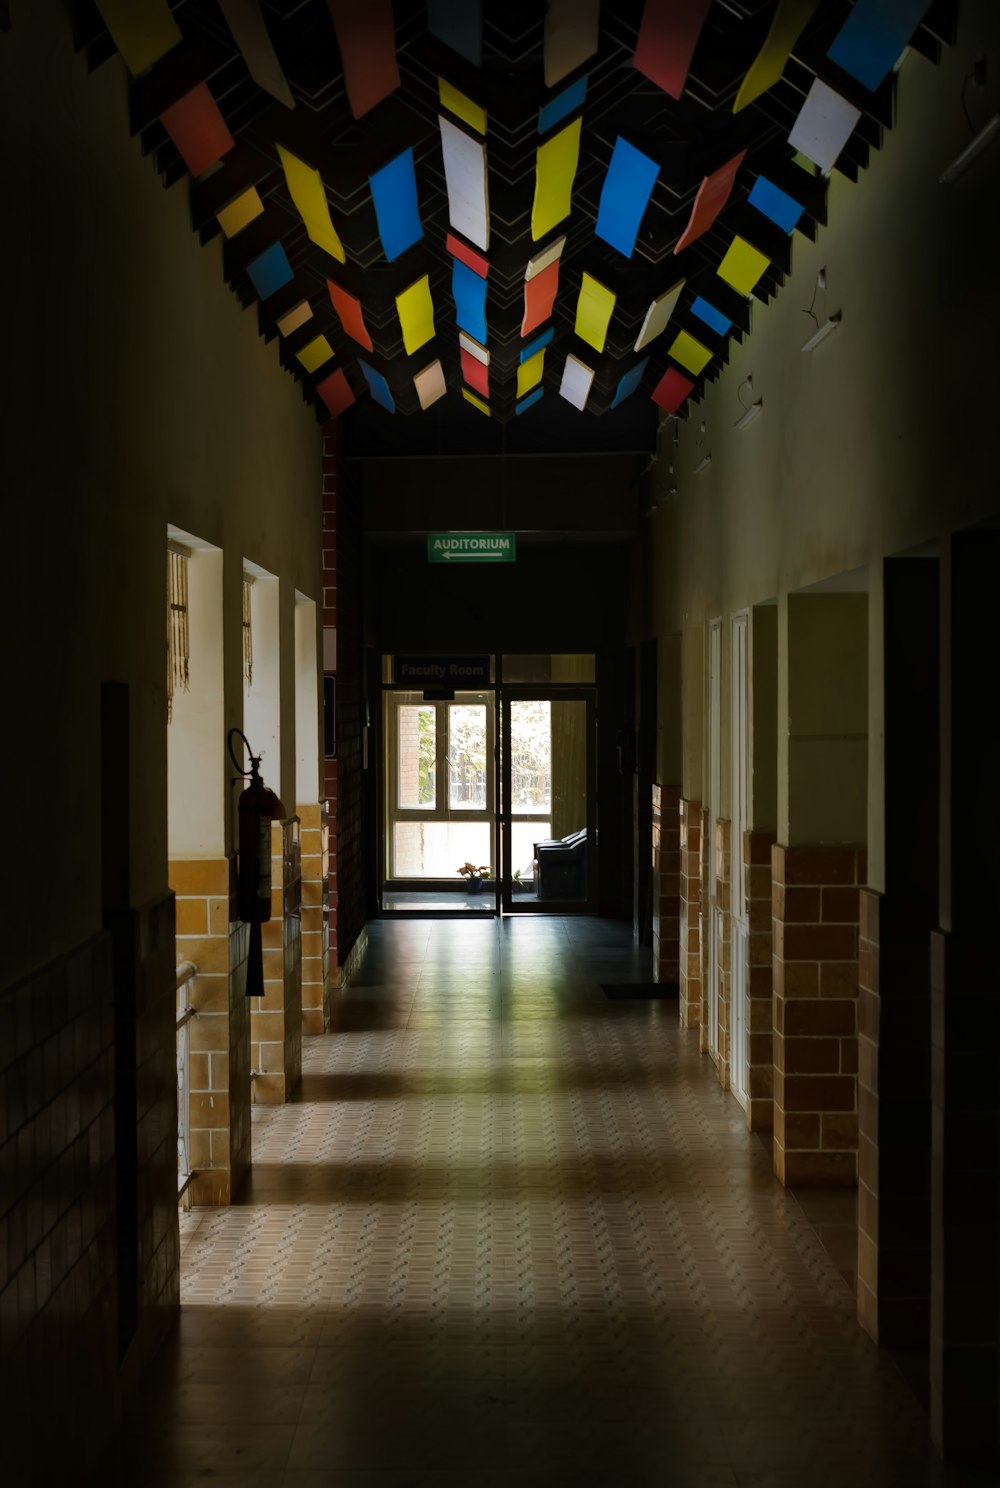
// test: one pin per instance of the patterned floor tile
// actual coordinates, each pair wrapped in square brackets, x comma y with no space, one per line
[508,1232]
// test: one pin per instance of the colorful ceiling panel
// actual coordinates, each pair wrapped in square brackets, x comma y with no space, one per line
[790,20]
[869,43]
[657,317]
[366,36]
[742,266]
[465,174]
[571,37]
[415,309]
[539,297]
[529,373]
[625,195]
[824,125]
[594,309]
[394,194]
[667,38]
[713,193]
[468,290]
[577,380]
[555,172]
[197,128]
[409,147]
[142,30]
[463,108]
[305,187]
[430,384]
[246,21]
[349,312]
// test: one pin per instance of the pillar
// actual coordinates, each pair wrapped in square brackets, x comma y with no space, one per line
[276,1018]
[666,883]
[689,838]
[760,1052]
[210,936]
[815,994]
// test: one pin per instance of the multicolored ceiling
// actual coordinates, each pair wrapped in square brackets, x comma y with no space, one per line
[496,204]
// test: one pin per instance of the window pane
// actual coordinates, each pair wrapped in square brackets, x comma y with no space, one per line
[467,762]
[415,759]
[531,756]
[437,849]
[523,836]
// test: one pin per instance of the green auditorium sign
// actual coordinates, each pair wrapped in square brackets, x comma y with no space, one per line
[471,547]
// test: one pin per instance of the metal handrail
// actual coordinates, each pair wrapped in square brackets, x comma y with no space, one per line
[185,971]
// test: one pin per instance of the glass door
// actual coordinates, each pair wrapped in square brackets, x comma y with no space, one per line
[440,800]
[547,792]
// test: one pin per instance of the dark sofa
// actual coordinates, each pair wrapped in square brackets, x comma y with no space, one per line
[560,867]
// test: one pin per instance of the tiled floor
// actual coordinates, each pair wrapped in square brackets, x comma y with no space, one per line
[513,1233]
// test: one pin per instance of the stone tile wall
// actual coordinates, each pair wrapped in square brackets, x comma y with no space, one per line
[276,1018]
[894,1136]
[59,1202]
[689,842]
[815,993]
[760,1015]
[210,936]
[666,883]
[57,1195]
[314,845]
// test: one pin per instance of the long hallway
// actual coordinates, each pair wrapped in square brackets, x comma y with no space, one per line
[512,1232]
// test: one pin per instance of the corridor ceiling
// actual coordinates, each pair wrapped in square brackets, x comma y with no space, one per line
[541,216]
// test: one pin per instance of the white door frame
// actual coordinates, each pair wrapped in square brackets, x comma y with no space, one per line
[740,931]
[714,807]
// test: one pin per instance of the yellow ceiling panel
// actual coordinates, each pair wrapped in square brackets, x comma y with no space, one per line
[529,373]
[415,309]
[315,353]
[464,108]
[690,353]
[306,189]
[476,402]
[240,212]
[594,309]
[742,266]
[142,30]
[555,170]
[788,23]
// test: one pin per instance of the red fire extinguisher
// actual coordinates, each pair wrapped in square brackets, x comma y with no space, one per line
[257,808]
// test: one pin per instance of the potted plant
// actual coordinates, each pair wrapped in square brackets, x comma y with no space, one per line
[474,876]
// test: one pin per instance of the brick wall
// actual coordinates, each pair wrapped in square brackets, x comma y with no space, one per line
[60,1206]
[276,1018]
[689,839]
[815,972]
[210,936]
[666,883]
[315,858]
[344,775]
[760,1015]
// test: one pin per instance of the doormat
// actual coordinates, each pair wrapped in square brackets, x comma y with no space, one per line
[619,991]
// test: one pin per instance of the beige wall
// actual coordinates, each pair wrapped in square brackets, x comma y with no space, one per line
[823,796]
[155,402]
[870,445]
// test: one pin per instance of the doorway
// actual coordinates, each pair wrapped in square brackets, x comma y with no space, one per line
[489,795]
[440,791]
[548,800]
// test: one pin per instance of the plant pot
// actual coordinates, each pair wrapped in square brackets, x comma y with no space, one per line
[475,883]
